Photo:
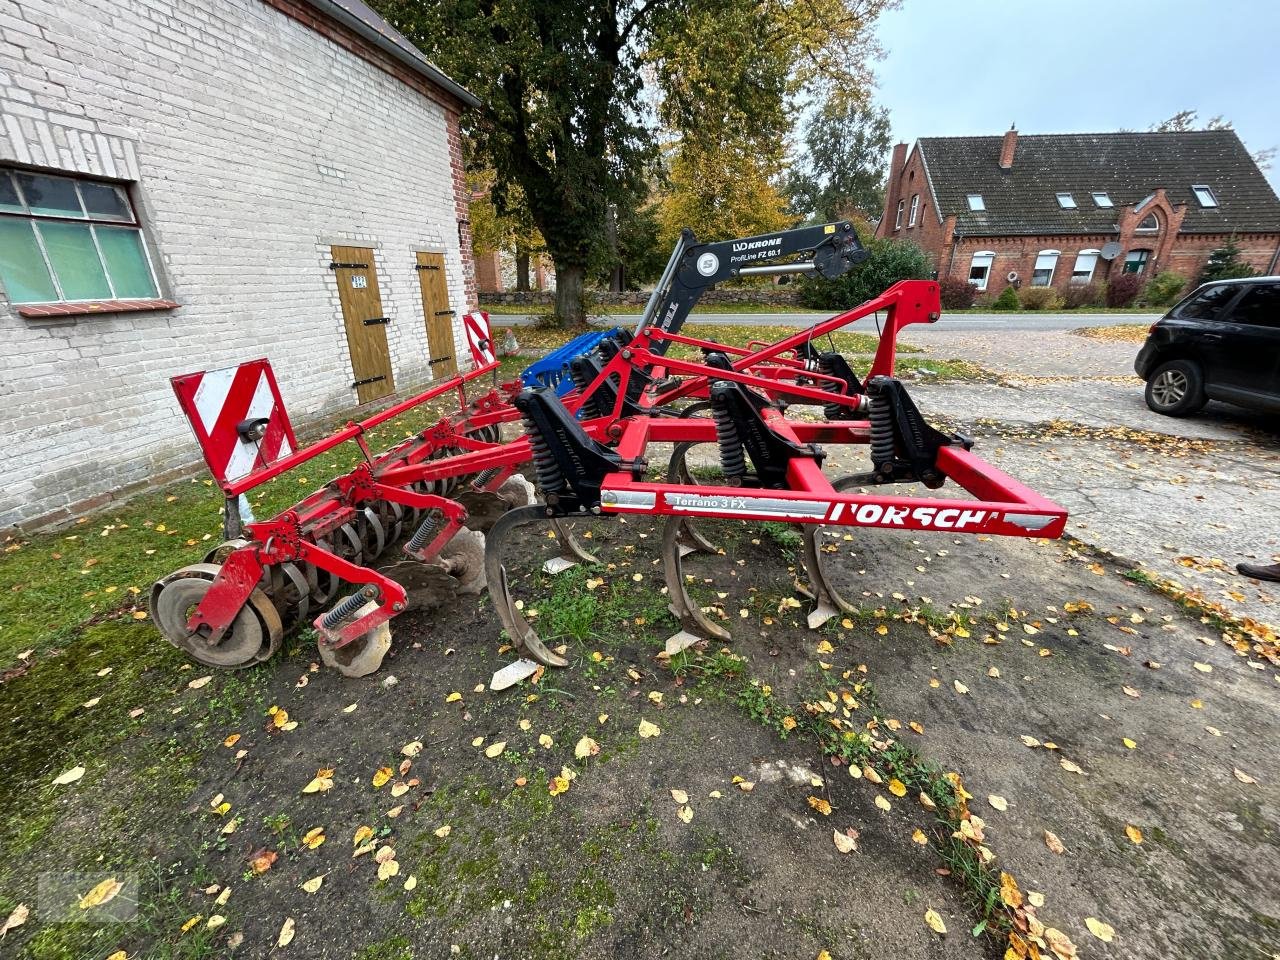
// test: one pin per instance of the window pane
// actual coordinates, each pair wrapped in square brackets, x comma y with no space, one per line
[50,196]
[1259,307]
[105,202]
[9,199]
[26,278]
[1207,305]
[75,261]
[126,262]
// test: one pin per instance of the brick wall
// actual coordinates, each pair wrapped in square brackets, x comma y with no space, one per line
[252,141]
[908,178]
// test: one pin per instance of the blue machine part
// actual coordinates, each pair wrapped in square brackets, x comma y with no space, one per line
[553,369]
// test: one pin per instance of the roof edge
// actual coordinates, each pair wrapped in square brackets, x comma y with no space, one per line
[419,65]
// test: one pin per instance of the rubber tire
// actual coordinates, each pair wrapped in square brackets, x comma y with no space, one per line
[1193,399]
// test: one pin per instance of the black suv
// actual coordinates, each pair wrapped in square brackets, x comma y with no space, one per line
[1220,343]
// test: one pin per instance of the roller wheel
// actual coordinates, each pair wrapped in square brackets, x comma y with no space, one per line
[176,598]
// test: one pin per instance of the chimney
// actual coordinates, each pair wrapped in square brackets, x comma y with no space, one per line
[1006,149]
[899,159]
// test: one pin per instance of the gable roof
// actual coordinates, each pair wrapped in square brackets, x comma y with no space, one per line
[360,17]
[1127,166]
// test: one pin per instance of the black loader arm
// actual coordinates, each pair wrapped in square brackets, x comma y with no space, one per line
[826,250]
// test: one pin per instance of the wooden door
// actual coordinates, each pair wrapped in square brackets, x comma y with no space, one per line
[438,314]
[365,323]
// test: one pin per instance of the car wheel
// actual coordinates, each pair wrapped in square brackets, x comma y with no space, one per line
[1176,389]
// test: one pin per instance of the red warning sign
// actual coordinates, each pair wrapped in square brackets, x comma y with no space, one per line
[479,339]
[237,416]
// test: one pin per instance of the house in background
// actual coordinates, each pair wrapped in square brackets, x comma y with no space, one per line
[186,186]
[1058,209]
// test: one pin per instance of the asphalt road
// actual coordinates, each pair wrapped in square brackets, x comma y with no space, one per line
[953,322]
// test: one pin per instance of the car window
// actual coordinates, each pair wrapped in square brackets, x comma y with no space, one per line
[1208,304]
[1260,307]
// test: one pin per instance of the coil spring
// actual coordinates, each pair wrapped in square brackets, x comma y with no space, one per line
[582,379]
[423,534]
[733,462]
[344,611]
[550,479]
[484,476]
[831,411]
[881,417]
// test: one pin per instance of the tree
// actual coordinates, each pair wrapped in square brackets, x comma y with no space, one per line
[729,72]
[559,85]
[1225,264]
[843,168]
[502,221]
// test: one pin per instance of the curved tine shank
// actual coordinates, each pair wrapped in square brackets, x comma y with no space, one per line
[829,601]
[678,472]
[571,550]
[522,634]
[692,620]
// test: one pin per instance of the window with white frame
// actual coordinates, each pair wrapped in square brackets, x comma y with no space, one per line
[1135,261]
[915,209]
[976,203]
[70,239]
[897,222]
[1086,263]
[980,268]
[1046,261]
[1066,201]
[1204,195]
[1149,224]
[1102,199]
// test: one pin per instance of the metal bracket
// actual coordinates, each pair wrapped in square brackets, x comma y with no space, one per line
[335,265]
[374,321]
[444,313]
[427,266]
[361,383]
[447,356]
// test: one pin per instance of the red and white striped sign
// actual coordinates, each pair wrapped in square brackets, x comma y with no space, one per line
[217,402]
[479,339]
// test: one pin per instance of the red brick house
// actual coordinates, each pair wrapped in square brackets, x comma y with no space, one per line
[1050,210]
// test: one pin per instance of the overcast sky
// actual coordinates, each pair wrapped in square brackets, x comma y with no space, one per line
[973,67]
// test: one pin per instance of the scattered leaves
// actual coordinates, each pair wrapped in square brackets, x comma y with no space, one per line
[844,842]
[934,921]
[1103,931]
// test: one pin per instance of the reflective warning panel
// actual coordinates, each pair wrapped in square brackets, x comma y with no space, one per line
[479,339]
[237,416]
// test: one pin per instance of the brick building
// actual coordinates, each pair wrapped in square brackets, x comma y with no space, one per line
[177,178]
[1073,208]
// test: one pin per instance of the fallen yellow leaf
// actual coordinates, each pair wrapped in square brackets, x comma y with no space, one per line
[679,796]
[286,933]
[822,806]
[844,843]
[102,893]
[495,749]
[1052,842]
[897,787]
[312,885]
[1133,833]
[586,747]
[1000,803]
[1103,931]
[918,836]
[647,729]
[934,921]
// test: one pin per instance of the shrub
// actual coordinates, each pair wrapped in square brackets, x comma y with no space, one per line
[1225,264]
[1123,290]
[1077,295]
[1008,300]
[890,261]
[1040,298]
[957,294]
[1164,288]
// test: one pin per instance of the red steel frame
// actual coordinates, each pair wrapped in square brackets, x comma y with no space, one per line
[1002,506]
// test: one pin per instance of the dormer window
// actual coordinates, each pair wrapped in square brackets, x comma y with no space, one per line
[1148,224]
[976,202]
[1066,201]
[1204,195]
[1102,199]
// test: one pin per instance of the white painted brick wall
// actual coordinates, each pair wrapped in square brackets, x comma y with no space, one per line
[255,143]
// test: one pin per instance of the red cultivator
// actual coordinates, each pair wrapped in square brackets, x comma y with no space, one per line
[588,453]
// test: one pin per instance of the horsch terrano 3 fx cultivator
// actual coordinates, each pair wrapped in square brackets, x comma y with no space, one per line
[587,452]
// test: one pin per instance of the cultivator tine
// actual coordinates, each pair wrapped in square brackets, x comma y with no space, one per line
[694,624]
[524,637]
[572,552]
[828,601]
[691,540]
